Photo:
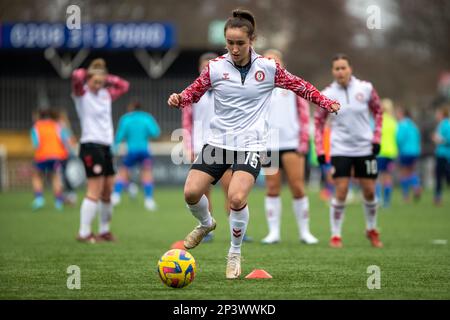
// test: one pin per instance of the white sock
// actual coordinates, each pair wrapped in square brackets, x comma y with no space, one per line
[105,216]
[370,210]
[301,210]
[238,225]
[337,210]
[273,214]
[87,214]
[201,212]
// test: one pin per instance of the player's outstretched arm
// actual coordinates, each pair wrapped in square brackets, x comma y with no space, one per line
[193,93]
[284,79]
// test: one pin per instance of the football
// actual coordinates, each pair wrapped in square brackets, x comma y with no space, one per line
[75,173]
[177,268]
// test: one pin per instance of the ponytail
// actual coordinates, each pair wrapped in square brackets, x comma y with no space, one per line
[242,19]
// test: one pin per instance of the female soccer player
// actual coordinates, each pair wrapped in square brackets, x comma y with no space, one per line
[242,82]
[388,152]
[196,124]
[409,149]
[93,91]
[442,140]
[136,127]
[51,146]
[354,145]
[289,122]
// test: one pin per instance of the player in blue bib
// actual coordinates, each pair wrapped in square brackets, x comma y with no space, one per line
[135,129]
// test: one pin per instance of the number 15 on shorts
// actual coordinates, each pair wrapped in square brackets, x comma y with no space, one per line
[252,159]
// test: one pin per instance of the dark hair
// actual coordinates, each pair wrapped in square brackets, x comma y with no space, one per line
[242,19]
[444,111]
[47,113]
[44,114]
[406,112]
[134,105]
[207,56]
[341,56]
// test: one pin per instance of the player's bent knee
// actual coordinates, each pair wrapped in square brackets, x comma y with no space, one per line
[192,196]
[237,200]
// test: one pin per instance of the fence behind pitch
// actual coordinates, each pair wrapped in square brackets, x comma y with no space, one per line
[19,96]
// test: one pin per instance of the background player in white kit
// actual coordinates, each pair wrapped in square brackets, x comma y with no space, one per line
[242,82]
[196,123]
[289,122]
[93,91]
[354,145]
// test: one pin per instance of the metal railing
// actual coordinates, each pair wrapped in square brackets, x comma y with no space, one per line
[20,96]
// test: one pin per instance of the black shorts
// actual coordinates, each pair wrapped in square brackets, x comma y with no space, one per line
[363,167]
[215,161]
[274,158]
[97,159]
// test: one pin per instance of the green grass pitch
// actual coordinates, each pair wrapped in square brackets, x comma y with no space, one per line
[37,247]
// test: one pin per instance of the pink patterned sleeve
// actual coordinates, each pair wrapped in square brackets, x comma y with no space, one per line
[303,117]
[186,121]
[375,108]
[197,89]
[117,86]
[284,79]
[320,118]
[78,79]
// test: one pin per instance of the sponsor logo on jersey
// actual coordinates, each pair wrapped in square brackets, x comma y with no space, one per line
[260,76]
[226,76]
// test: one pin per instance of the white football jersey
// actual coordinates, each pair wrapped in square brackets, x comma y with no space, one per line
[240,107]
[288,117]
[351,132]
[94,112]
[244,126]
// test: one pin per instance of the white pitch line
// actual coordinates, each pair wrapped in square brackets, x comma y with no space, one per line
[439,241]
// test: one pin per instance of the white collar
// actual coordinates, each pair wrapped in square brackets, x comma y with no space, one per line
[253,56]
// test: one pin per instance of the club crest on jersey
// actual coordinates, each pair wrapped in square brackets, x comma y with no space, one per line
[97,169]
[360,97]
[226,76]
[260,76]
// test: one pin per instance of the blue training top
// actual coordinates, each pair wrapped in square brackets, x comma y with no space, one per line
[135,129]
[408,138]
[443,148]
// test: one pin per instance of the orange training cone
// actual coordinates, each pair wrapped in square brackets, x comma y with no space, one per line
[258,274]
[178,245]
